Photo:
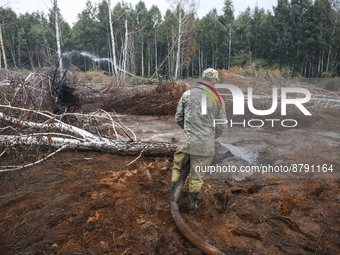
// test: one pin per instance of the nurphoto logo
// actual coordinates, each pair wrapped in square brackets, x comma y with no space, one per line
[239,99]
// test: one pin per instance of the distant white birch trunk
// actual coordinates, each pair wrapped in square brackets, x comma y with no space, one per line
[3,50]
[229,60]
[142,54]
[178,43]
[125,50]
[113,46]
[149,61]
[57,35]
[156,56]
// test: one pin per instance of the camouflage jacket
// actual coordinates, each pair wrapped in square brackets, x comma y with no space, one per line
[199,133]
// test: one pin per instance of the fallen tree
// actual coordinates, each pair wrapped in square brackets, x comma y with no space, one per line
[31,131]
[49,130]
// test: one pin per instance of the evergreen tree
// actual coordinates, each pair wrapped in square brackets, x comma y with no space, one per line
[302,35]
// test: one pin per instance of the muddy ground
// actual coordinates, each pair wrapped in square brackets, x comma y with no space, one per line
[93,203]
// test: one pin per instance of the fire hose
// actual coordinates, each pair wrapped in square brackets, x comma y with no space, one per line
[182,227]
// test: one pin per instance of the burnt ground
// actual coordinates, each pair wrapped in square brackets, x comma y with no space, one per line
[92,203]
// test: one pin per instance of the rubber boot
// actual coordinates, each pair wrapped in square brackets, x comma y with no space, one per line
[192,201]
[172,186]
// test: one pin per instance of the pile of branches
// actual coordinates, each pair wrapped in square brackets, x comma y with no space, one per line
[33,126]
[147,100]
[49,90]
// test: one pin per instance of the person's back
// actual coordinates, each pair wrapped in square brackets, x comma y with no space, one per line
[197,143]
[199,128]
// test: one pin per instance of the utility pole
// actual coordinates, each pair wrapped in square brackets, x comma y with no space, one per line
[3,48]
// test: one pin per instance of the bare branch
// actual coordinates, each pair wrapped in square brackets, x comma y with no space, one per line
[13,168]
[141,153]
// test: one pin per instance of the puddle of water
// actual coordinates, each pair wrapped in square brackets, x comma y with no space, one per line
[153,128]
[241,152]
[329,134]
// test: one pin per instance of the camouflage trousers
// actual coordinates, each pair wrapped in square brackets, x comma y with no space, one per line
[196,177]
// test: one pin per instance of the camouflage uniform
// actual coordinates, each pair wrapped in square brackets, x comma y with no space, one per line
[198,137]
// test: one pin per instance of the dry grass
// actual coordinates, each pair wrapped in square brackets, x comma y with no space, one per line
[254,71]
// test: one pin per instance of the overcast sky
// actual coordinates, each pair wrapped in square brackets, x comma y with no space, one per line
[70,8]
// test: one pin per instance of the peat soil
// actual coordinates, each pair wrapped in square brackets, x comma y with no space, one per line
[92,203]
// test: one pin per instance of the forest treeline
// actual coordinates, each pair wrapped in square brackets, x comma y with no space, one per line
[299,36]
